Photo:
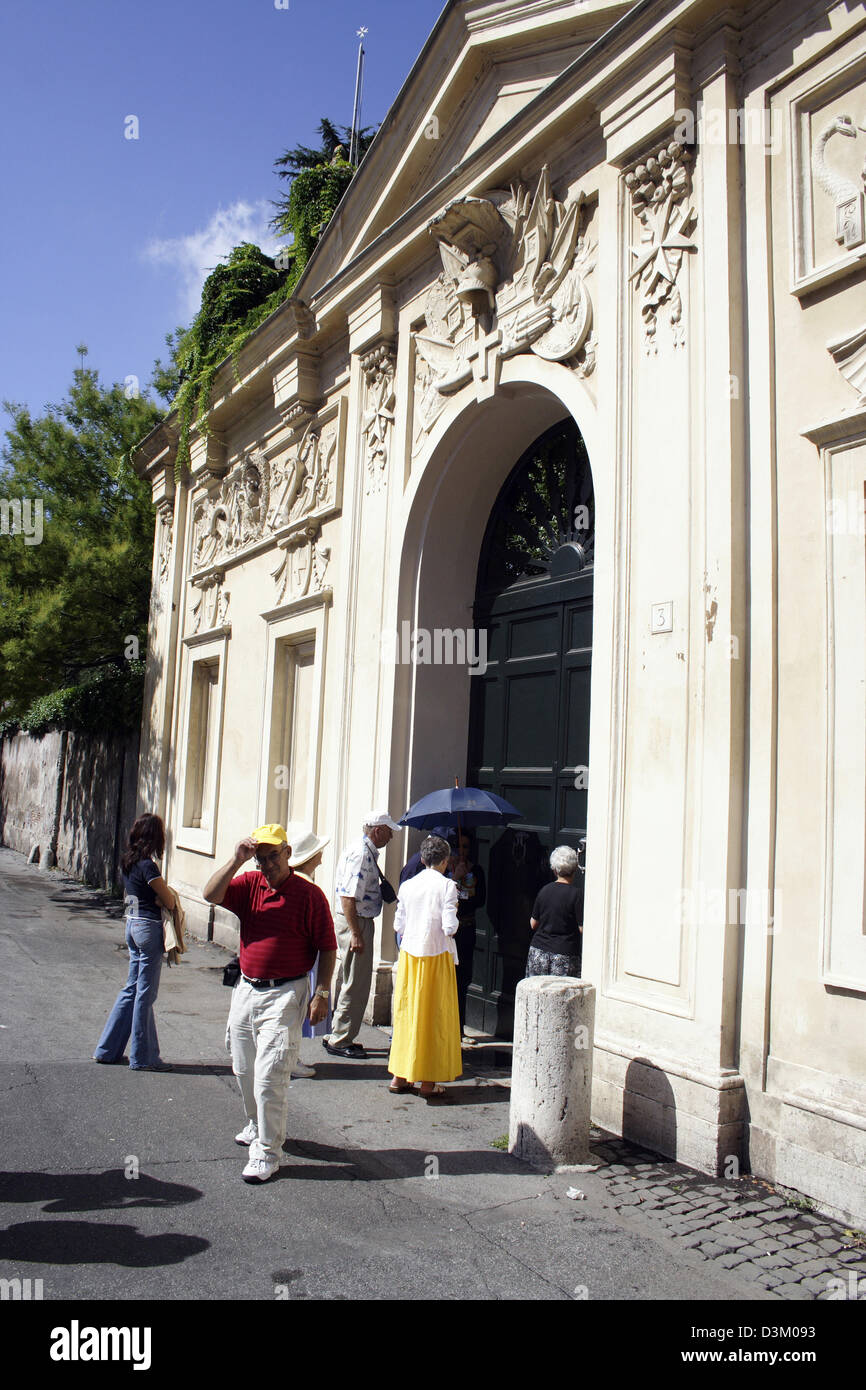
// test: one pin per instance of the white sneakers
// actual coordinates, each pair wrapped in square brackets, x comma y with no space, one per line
[260,1169]
[301,1069]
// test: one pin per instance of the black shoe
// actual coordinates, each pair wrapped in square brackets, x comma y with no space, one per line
[159,1066]
[350,1049]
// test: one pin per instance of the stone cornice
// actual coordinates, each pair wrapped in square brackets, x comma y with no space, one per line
[850,426]
[579,91]
[320,599]
[213,634]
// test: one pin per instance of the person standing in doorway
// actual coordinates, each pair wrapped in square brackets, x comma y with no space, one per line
[472,895]
[557,920]
[358,893]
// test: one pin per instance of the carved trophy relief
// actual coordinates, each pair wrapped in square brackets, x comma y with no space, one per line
[209,606]
[166,540]
[261,498]
[378,417]
[210,525]
[513,279]
[846,195]
[301,570]
[232,517]
[302,481]
[660,190]
[250,502]
[545,306]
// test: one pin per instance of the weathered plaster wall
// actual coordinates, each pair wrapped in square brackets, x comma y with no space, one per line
[71,794]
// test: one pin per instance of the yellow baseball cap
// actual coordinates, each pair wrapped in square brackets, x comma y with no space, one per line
[270,835]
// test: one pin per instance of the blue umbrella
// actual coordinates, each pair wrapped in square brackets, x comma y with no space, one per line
[461,806]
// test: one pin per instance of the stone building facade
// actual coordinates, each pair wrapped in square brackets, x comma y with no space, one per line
[579,366]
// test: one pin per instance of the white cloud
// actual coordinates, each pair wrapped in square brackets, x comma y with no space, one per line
[194,256]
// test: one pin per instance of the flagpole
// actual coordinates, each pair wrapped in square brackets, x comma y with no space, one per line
[354,147]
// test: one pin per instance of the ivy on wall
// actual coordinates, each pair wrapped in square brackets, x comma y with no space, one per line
[107,701]
[237,297]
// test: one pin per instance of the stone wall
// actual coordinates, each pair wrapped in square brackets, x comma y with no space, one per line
[71,795]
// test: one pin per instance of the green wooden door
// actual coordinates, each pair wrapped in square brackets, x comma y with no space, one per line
[529,720]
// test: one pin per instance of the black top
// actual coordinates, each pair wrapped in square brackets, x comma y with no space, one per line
[477,895]
[558,910]
[412,867]
[141,901]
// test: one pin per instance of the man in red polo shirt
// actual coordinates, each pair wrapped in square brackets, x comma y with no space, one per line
[285,922]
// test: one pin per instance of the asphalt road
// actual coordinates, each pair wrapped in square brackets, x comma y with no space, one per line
[122,1185]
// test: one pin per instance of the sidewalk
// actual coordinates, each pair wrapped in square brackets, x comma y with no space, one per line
[380,1189]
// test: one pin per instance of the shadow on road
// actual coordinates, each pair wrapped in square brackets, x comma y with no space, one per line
[112,907]
[86,1242]
[106,1191]
[383,1165]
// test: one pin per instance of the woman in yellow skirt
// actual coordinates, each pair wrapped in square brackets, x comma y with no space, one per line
[426,1042]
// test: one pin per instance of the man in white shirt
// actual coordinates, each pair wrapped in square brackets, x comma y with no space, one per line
[358,894]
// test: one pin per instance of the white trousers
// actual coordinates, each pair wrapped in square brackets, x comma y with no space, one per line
[263,1036]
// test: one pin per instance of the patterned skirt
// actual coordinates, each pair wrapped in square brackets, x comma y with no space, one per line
[540,962]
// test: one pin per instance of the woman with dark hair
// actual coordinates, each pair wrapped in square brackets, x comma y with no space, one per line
[146,894]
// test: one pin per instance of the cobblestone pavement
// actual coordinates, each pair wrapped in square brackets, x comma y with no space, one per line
[773,1238]
[740,1224]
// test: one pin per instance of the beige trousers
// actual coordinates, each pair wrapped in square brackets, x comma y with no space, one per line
[263,1036]
[357,976]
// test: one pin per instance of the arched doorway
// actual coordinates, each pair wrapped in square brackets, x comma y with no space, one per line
[529,713]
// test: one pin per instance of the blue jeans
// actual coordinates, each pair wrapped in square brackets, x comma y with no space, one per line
[133,1008]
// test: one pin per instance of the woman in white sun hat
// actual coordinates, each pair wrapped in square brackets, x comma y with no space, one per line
[305,856]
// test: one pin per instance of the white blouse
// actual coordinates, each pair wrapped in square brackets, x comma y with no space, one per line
[427,914]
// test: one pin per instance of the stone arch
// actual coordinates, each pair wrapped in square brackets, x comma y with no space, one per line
[472,448]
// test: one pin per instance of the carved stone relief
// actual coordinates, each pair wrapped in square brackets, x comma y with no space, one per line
[378,418]
[660,190]
[301,570]
[303,482]
[210,603]
[261,498]
[513,279]
[849,354]
[847,196]
[166,540]
[234,517]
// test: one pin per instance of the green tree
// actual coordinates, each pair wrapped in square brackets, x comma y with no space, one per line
[292,161]
[235,299]
[70,604]
[309,203]
[238,296]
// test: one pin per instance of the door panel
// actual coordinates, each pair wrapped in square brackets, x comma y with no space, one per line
[529,718]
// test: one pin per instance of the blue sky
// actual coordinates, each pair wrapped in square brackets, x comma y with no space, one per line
[105,240]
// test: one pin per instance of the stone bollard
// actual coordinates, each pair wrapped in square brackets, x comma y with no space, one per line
[551,1081]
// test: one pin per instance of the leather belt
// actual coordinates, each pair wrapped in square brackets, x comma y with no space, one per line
[271,984]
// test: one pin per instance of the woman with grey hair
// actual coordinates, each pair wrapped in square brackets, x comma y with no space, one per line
[557,920]
[425,1046]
